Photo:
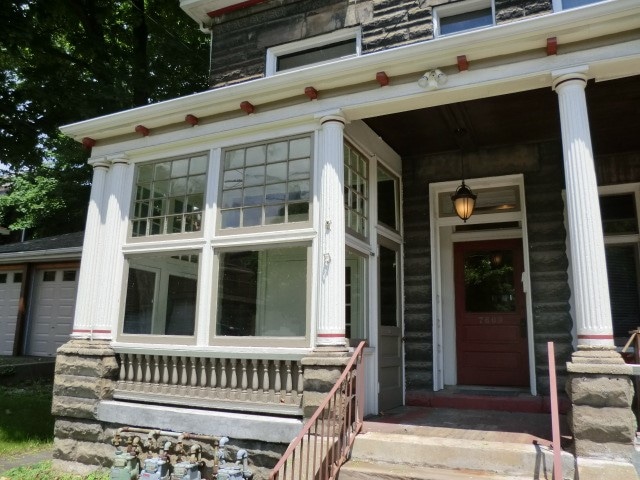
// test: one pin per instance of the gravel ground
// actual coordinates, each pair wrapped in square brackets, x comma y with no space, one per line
[20,460]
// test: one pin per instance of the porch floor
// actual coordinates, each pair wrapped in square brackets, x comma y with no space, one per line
[466,424]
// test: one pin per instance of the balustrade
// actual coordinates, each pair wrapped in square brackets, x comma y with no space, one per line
[247,384]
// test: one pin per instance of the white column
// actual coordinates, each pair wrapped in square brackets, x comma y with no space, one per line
[330,321]
[591,288]
[90,266]
[107,309]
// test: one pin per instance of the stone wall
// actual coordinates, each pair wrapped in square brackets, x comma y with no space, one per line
[542,169]
[240,39]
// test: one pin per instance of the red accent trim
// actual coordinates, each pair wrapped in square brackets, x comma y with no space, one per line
[596,337]
[331,335]
[463,63]
[247,107]
[382,78]
[142,130]
[88,142]
[191,119]
[311,92]
[233,8]
[85,330]
[552,45]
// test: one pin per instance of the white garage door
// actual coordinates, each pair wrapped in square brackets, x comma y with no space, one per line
[10,283]
[52,306]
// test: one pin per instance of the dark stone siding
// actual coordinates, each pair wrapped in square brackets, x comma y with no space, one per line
[543,175]
[240,39]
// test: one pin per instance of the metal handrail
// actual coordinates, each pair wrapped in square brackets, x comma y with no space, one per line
[325,442]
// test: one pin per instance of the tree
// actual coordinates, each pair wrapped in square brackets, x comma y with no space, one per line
[63,61]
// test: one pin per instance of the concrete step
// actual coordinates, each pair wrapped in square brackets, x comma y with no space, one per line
[517,460]
[358,470]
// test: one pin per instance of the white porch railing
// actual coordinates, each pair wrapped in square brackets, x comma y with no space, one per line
[246,384]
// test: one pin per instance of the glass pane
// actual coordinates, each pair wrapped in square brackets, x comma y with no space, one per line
[388,287]
[162,171]
[232,198]
[230,218]
[298,212]
[274,214]
[192,223]
[181,306]
[145,173]
[619,214]
[355,296]
[253,196]
[277,152]
[276,193]
[277,172]
[175,223]
[263,293]
[3,278]
[232,179]
[195,203]
[300,147]
[256,155]
[161,189]
[143,191]
[180,168]
[387,199]
[179,186]
[196,184]
[489,281]
[577,3]
[299,169]
[176,205]
[254,175]
[17,277]
[198,165]
[622,271]
[234,159]
[466,21]
[299,190]
[251,216]
[318,54]
[138,309]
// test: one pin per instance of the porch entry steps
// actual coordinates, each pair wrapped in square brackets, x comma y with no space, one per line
[378,455]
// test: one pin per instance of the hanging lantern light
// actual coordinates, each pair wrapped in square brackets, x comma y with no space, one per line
[464,200]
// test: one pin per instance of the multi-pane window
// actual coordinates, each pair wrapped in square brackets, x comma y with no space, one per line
[388,199]
[463,16]
[169,196]
[355,296]
[263,292]
[620,227]
[356,193]
[266,184]
[161,295]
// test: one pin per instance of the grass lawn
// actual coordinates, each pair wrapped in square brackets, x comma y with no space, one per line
[26,424]
[43,471]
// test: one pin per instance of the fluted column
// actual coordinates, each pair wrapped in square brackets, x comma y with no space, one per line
[331,263]
[90,267]
[118,196]
[591,288]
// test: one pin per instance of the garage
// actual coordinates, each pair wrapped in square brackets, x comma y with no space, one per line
[51,309]
[10,287]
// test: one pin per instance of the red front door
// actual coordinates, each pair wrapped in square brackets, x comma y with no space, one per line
[491,326]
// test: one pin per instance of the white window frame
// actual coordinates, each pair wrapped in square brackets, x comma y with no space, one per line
[458,8]
[294,47]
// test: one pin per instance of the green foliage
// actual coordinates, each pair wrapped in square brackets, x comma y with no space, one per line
[63,61]
[26,423]
[43,471]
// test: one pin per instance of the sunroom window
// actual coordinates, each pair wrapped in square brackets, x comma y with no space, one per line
[266,184]
[356,191]
[618,208]
[169,196]
[567,4]
[462,16]
[161,295]
[263,293]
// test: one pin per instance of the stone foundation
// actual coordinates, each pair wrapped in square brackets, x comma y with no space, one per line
[601,418]
[322,370]
[83,390]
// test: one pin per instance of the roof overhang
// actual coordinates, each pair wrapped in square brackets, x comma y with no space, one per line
[602,20]
[203,10]
[71,253]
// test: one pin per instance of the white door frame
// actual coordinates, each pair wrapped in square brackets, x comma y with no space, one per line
[442,238]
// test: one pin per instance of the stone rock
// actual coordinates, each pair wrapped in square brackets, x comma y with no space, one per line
[82,386]
[88,453]
[101,367]
[602,425]
[73,407]
[601,391]
[80,430]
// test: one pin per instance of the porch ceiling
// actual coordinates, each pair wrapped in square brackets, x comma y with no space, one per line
[525,117]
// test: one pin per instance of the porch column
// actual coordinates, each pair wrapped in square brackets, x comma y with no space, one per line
[599,384]
[107,308]
[591,288]
[331,262]
[88,284]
